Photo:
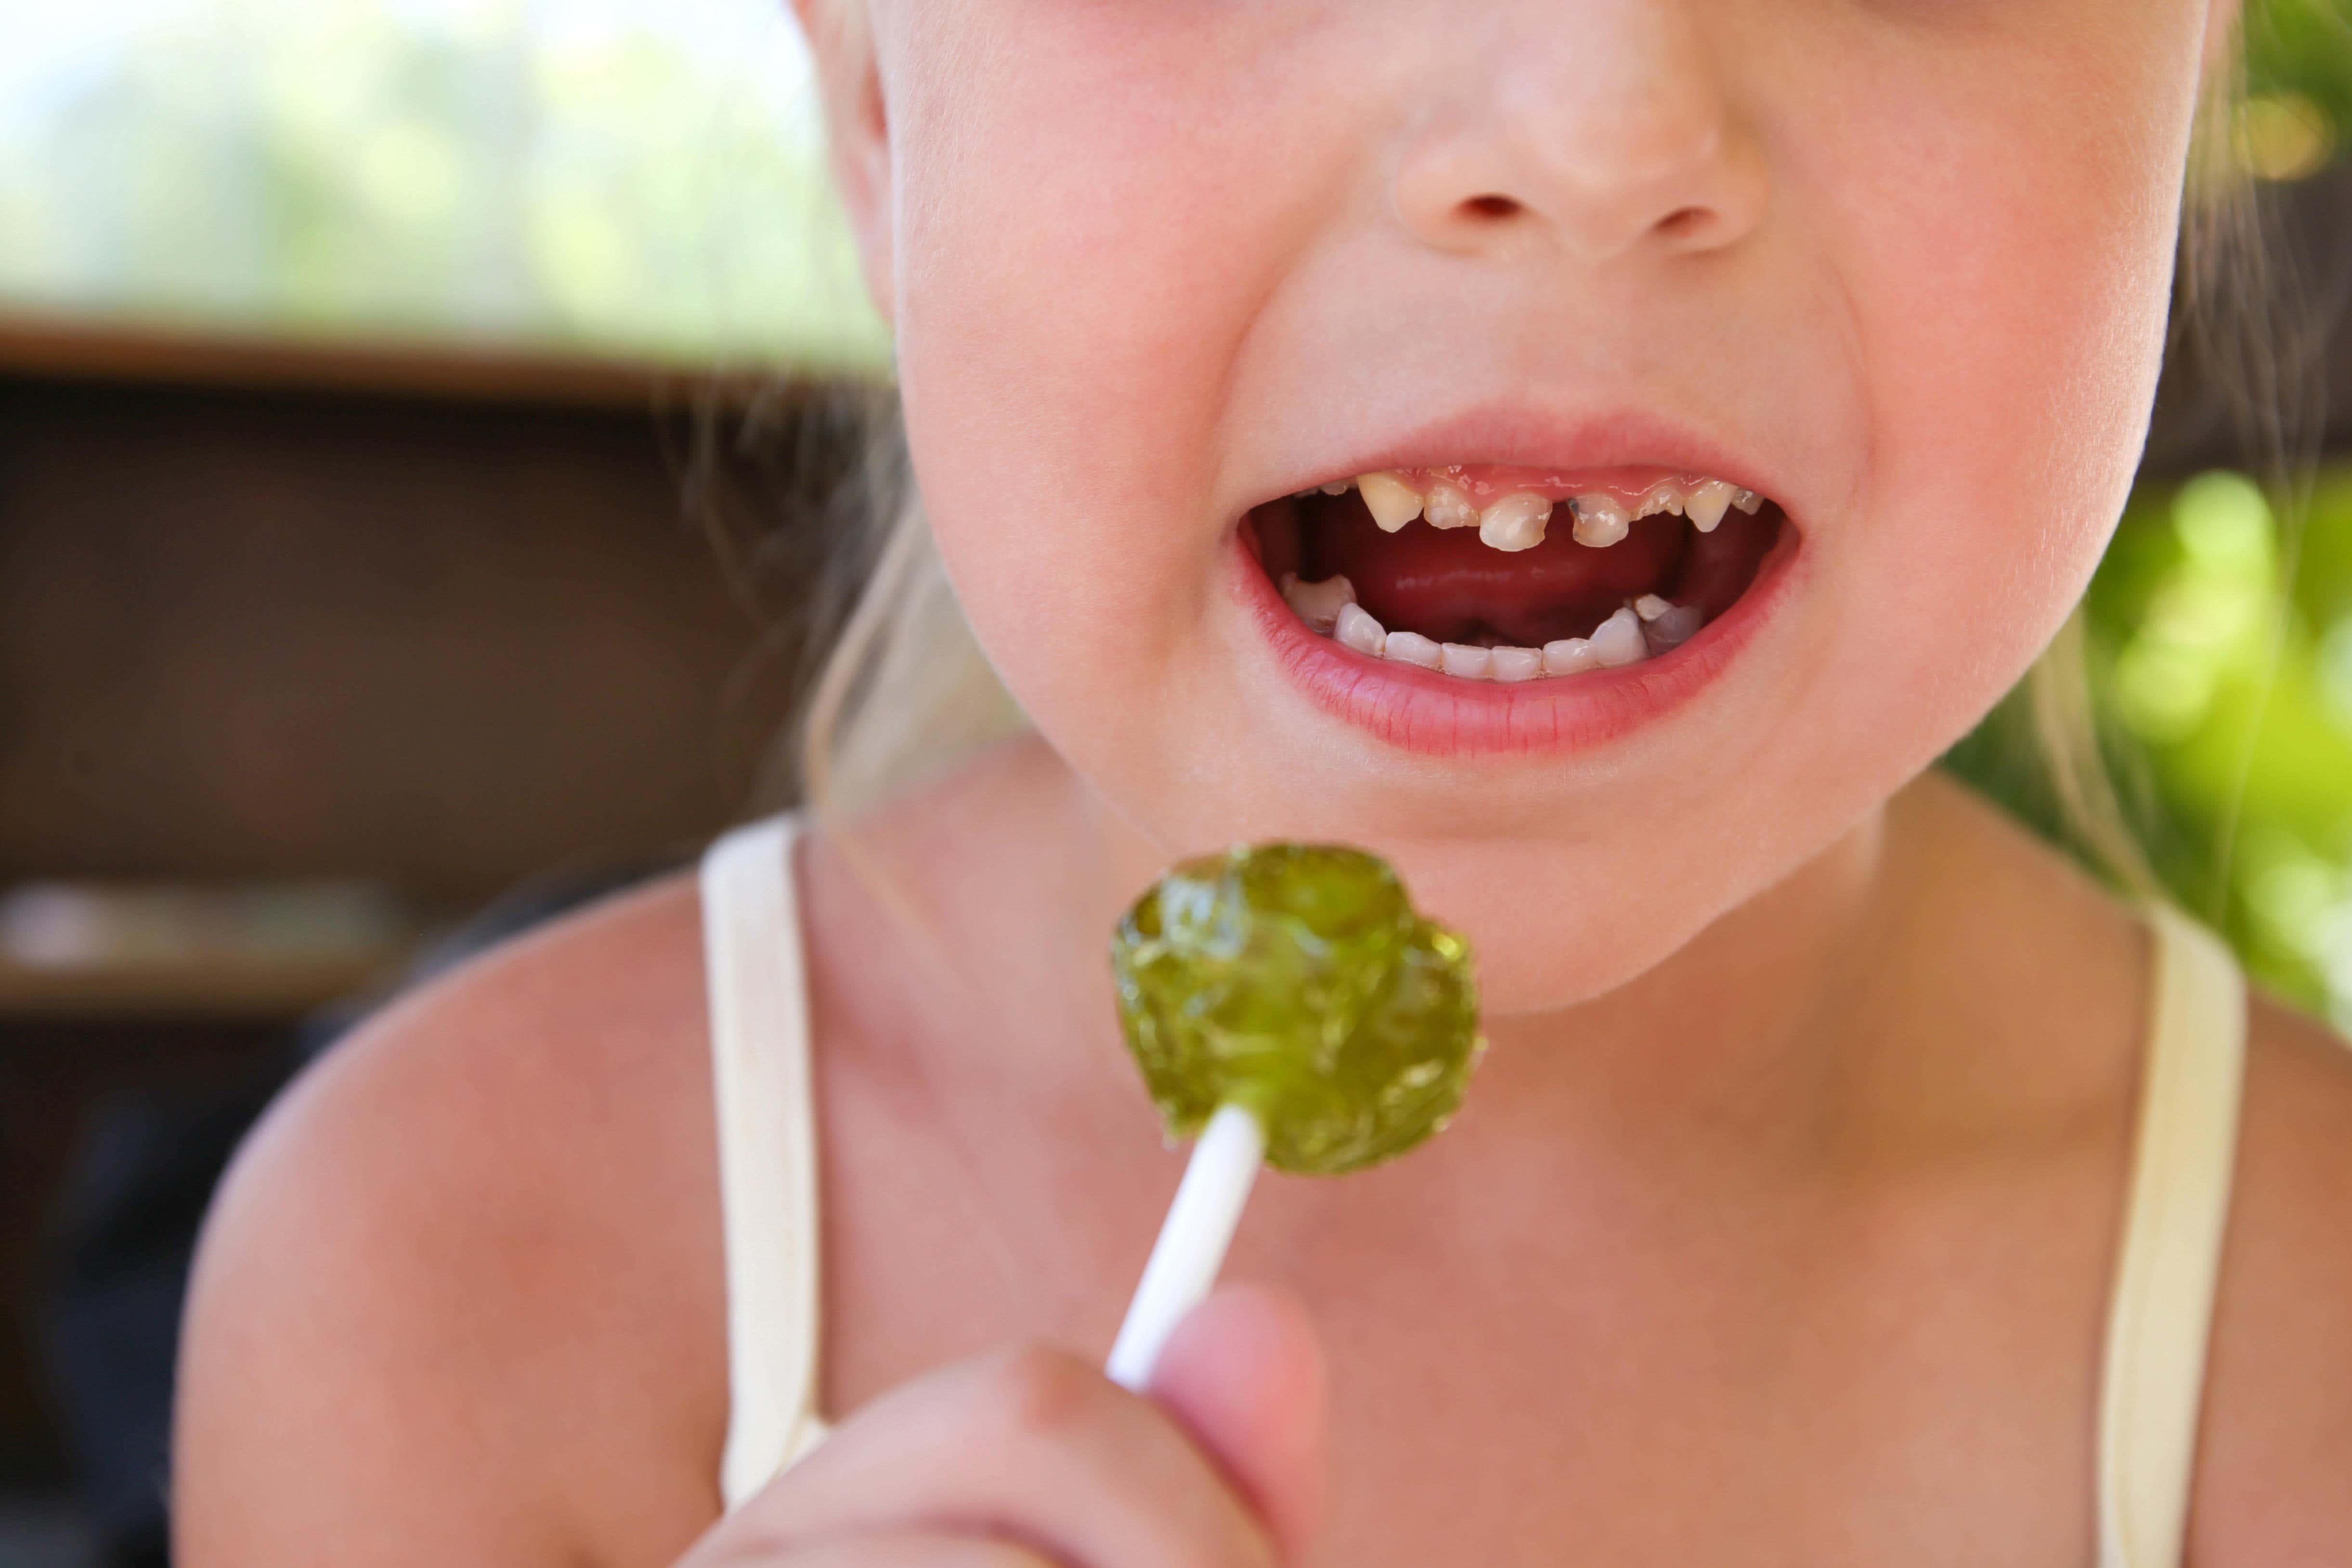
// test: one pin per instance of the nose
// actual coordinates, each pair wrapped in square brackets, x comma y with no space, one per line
[1602,127]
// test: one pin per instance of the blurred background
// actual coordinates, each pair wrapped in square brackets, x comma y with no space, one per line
[401,406]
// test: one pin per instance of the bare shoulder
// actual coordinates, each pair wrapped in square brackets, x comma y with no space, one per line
[2276,1438]
[2276,1442]
[473,1257]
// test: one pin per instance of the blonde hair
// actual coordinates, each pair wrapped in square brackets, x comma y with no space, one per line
[905,690]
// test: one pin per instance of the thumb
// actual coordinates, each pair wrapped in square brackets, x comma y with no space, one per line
[1244,1373]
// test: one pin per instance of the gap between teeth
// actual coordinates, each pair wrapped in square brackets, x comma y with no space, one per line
[1639,630]
[1517,521]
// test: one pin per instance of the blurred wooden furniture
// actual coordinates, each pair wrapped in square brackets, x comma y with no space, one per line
[443,641]
[428,622]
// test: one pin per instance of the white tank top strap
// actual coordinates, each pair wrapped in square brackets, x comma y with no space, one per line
[2160,1312]
[767,1151]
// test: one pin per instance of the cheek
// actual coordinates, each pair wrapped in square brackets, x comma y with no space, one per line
[1069,305]
[2009,242]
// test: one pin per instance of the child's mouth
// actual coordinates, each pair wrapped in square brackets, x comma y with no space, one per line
[1495,573]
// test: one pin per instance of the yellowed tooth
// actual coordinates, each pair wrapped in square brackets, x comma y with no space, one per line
[1391,501]
[1449,506]
[1601,520]
[1707,503]
[1514,523]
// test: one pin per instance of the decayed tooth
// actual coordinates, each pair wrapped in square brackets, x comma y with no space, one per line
[1463,660]
[1391,501]
[1746,501]
[1514,523]
[1318,603]
[1449,506]
[1336,488]
[1665,495]
[1618,641]
[1601,521]
[1569,656]
[1411,648]
[1356,630]
[1707,503]
[1649,607]
[1516,664]
[1675,628]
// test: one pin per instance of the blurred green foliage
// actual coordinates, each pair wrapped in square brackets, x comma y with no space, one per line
[349,167]
[2235,687]
[2303,46]
[2223,688]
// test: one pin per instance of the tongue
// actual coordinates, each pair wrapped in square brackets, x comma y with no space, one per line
[1446,585]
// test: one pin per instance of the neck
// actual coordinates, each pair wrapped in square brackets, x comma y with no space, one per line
[1750,1017]
[1751,1022]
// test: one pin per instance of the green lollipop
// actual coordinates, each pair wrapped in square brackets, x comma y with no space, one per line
[1287,1006]
[1296,980]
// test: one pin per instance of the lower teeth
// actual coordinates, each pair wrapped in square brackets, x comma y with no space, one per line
[1626,637]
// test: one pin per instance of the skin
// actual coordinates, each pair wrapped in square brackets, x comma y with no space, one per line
[1780,1224]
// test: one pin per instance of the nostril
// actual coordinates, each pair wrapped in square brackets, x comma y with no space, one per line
[1491,207]
[1684,223]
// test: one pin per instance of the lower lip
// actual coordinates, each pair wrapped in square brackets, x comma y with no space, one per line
[1433,715]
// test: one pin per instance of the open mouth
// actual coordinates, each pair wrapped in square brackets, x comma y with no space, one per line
[1494,573]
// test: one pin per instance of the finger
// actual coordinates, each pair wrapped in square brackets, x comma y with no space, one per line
[1031,1445]
[905,1549]
[884,1549]
[1245,1373]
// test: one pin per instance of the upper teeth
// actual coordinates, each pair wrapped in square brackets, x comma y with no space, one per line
[1601,521]
[1515,522]
[1449,506]
[1391,501]
[1663,497]
[1706,502]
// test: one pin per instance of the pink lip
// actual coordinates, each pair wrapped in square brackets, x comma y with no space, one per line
[1519,437]
[1421,711]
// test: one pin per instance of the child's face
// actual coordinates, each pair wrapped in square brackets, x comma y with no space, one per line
[1899,266]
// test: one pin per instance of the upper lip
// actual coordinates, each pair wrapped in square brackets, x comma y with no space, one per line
[1522,436]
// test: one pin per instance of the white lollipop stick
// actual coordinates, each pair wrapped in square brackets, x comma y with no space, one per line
[1192,1241]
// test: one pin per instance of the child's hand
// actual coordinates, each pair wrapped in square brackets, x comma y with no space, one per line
[1033,1459]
